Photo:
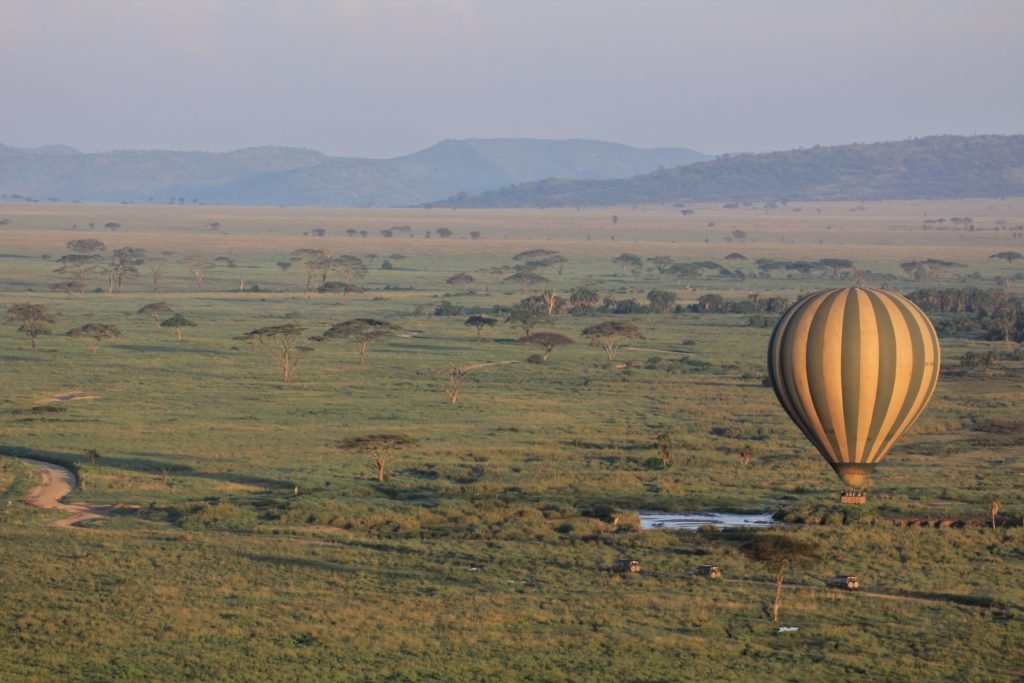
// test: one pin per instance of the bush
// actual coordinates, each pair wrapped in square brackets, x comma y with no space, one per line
[448,308]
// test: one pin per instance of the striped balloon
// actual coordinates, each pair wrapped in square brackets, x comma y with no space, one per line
[853,368]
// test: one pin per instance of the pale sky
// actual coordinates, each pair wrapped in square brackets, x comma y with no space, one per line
[383,78]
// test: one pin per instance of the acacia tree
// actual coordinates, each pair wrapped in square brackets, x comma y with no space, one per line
[177,322]
[94,333]
[361,331]
[525,279]
[480,322]
[836,264]
[156,265]
[156,311]
[456,378]
[546,340]
[661,301]
[660,263]
[35,319]
[79,267]
[349,268]
[381,448]
[779,552]
[610,334]
[1008,256]
[122,266]
[527,315]
[456,375]
[629,261]
[199,266]
[86,246]
[462,280]
[583,298]
[313,261]
[283,343]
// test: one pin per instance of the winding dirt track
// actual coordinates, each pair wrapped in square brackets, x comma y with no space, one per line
[58,482]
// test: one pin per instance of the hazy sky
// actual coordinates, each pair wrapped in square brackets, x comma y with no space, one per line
[383,78]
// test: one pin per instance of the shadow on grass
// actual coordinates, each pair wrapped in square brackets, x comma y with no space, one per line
[147,463]
[171,347]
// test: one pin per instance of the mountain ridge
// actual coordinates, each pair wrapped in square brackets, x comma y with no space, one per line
[275,175]
[944,166]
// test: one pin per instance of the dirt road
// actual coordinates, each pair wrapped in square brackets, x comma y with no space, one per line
[58,482]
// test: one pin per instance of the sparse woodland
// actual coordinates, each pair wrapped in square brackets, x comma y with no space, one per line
[375,477]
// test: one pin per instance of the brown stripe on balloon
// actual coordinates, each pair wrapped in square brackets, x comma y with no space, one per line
[793,373]
[892,378]
[775,364]
[936,354]
[824,373]
[849,359]
[917,381]
[863,402]
[929,364]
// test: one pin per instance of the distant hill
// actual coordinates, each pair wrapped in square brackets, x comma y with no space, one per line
[933,167]
[300,177]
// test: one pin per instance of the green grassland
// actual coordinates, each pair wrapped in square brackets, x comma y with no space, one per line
[252,549]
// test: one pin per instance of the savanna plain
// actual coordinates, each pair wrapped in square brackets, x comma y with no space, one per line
[449,508]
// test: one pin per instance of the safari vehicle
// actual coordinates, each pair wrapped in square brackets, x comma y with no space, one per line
[712,571]
[626,566]
[844,582]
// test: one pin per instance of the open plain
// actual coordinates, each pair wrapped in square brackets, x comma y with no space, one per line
[258,541]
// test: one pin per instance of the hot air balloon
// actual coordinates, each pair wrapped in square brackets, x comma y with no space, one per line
[853,367]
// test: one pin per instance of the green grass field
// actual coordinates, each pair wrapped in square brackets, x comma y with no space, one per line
[261,552]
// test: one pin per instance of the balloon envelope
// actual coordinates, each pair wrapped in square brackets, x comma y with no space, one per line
[853,368]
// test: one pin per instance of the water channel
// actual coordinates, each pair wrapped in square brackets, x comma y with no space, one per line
[654,519]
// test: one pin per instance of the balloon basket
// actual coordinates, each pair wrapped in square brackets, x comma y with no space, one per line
[853,497]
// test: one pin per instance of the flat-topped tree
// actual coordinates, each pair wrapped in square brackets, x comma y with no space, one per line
[661,263]
[480,322]
[79,267]
[156,311]
[381,448]
[35,319]
[778,552]
[610,334]
[527,315]
[630,262]
[546,340]
[556,261]
[525,279]
[94,333]
[1008,256]
[362,331]
[177,322]
[86,246]
[534,254]
[283,343]
[461,280]
[836,265]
